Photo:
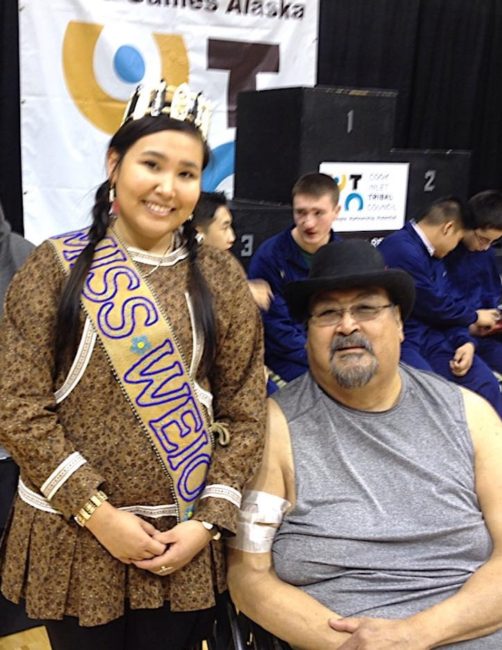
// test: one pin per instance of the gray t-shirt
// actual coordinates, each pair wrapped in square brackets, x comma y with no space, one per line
[387,521]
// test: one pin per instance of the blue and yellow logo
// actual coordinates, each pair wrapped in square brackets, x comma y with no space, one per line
[102,66]
[353,198]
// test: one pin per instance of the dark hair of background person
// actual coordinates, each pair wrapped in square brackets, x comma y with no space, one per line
[206,207]
[317,184]
[67,328]
[447,208]
[486,209]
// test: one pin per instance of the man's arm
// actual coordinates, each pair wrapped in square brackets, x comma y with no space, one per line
[284,610]
[434,302]
[284,338]
[476,609]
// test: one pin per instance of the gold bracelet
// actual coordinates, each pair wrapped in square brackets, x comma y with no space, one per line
[84,514]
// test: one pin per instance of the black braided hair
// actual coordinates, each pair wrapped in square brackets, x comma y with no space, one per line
[67,324]
[69,302]
[202,299]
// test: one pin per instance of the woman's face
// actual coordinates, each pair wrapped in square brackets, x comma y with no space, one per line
[157,184]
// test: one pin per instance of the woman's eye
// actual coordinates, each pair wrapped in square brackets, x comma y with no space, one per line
[152,164]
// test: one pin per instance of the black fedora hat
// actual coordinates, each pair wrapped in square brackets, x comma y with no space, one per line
[348,265]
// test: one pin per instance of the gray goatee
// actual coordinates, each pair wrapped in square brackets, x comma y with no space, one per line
[347,372]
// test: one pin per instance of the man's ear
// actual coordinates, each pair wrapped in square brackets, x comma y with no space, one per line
[337,212]
[399,320]
[448,227]
[401,331]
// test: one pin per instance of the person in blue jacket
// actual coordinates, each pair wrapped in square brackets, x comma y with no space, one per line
[437,335]
[473,273]
[286,257]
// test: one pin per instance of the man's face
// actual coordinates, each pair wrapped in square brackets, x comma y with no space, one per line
[220,233]
[449,237]
[314,218]
[364,343]
[480,239]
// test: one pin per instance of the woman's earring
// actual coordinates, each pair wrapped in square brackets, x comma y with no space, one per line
[112,197]
[199,238]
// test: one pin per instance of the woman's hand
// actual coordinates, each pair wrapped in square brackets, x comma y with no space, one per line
[124,535]
[183,542]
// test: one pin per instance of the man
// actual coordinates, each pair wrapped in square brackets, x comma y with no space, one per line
[473,273]
[287,257]
[374,521]
[437,335]
[213,221]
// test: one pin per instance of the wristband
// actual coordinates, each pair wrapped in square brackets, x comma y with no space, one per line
[213,530]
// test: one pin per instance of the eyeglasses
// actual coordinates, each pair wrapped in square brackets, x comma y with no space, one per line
[485,242]
[359,313]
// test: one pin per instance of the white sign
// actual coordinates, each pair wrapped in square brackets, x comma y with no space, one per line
[81,60]
[372,195]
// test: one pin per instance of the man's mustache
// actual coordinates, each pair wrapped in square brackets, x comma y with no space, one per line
[341,342]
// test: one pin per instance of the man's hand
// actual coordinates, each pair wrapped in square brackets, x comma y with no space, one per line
[183,542]
[378,634]
[261,292]
[462,360]
[487,318]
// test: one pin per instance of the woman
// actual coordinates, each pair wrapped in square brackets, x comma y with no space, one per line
[126,350]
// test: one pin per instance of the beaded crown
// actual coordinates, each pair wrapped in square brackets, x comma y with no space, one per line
[178,102]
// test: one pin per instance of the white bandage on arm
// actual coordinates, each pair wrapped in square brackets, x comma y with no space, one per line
[259,518]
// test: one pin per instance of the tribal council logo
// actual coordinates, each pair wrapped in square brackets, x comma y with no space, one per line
[103,64]
[353,199]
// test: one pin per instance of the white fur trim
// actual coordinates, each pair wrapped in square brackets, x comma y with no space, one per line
[61,474]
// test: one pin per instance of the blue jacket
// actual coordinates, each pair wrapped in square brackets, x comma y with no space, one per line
[279,261]
[438,318]
[474,277]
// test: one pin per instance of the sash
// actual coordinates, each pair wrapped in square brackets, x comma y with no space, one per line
[143,352]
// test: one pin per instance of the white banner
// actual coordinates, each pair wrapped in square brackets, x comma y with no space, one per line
[372,195]
[81,59]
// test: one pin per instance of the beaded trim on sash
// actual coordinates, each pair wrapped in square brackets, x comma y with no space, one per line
[144,354]
[86,346]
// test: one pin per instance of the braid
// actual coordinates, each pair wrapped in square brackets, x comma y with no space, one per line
[67,324]
[202,299]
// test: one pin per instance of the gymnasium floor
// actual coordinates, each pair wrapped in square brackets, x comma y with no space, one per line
[34,639]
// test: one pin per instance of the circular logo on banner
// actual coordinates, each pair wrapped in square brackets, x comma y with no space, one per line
[102,65]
